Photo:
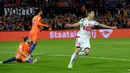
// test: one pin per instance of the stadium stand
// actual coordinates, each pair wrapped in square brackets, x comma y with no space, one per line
[57,13]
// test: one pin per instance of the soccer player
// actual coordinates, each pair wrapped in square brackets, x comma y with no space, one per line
[22,54]
[36,27]
[83,36]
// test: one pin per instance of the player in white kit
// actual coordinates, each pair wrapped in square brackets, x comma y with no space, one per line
[83,36]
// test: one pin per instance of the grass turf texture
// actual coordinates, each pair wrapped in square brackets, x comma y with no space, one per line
[107,56]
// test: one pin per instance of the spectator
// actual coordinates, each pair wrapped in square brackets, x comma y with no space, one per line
[125,14]
[61,3]
[68,12]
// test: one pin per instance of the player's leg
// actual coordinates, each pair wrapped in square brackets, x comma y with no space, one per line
[74,55]
[85,52]
[34,38]
[9,60]
[30,60]
[85,48]
[32,47]
[81,53]
[25,59]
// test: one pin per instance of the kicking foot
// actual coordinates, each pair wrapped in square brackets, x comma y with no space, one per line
[37,59]
[70,66]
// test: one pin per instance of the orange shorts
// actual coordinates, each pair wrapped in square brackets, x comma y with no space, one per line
[21,58]
[34,36]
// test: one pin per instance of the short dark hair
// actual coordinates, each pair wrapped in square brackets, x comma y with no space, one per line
[89,10]
[26,38]
[37,11]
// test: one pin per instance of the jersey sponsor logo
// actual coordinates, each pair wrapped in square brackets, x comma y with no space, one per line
[106,32]
[20,11]
[88,28]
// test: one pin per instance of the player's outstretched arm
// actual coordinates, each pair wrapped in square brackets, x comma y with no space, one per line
[41,24]
[105,26]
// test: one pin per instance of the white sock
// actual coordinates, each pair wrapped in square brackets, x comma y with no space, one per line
[72,58]
[81,53]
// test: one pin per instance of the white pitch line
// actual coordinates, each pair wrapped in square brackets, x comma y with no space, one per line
[104,58]
[62,55]
[109,58]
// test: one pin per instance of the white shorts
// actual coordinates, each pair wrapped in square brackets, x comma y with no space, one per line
[83,43]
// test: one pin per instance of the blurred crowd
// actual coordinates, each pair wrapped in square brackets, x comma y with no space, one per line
[39,3]
[116,15]
[51,3]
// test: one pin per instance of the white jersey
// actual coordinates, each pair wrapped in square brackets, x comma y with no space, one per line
[86,27]
[83,36]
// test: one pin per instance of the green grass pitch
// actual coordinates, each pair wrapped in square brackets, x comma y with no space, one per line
[106,56]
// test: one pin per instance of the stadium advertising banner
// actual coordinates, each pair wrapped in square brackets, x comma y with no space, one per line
[20,11]
[66,34]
